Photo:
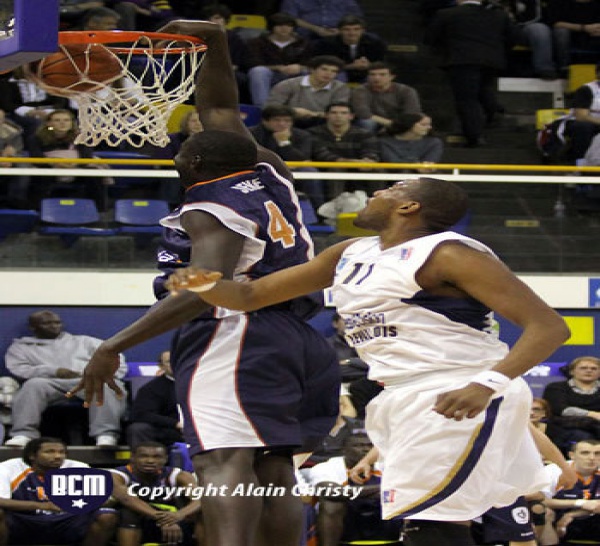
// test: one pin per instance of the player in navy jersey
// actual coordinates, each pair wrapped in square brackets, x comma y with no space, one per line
[578,508]
[417,301]
[26,513]
[252,386]
[148,477]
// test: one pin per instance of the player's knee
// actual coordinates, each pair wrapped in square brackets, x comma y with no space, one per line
[107,519]
[440,533]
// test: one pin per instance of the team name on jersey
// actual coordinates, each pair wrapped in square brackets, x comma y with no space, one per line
[248,186]
[363,327]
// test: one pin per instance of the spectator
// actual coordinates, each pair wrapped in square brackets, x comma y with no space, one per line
[576,25]
[276,56]
[143,14]
[55,137]
[189,125]
[408,140]
[578,508]
[339,140]
[354,370]
[50,363]
[319,18]
[586,118]
[541,418]
[154,412]
[381,100]
[15,188]
[473,39]
[342,517]
[147,470]
[310,95]
[238,50]
[356,47]
[530,16]
[26,514]
[28,104]
[277,133]
[72,12]
[576,402]
[100,19]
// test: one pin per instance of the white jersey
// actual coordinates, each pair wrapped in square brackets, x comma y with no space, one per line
[400,330]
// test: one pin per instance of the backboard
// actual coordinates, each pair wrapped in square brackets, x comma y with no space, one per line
[28,31]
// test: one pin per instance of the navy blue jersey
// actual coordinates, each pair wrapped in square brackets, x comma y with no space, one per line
[585,488]
[260,205]
[163,480]
[29,486]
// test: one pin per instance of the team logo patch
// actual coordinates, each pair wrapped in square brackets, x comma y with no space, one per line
[78,490]
[520,515]
[405,253]
[389,495]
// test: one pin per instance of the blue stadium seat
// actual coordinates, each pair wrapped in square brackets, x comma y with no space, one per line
[71,218]
[16,221]
[140,216]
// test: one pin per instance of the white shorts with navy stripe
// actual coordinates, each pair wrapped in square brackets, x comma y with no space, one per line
[446,470]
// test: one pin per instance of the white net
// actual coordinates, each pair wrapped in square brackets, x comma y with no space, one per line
[133,107]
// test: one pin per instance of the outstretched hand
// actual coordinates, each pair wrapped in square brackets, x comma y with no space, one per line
[193,279]
[466,402]
[100,371]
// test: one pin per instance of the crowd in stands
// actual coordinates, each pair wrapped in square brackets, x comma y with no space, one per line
[313,55]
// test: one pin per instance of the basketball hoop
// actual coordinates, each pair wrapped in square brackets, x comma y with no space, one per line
[126,84]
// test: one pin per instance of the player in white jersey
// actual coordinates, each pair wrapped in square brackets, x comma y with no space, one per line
[452,418]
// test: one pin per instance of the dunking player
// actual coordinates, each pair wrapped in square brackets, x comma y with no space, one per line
[250,384]
[451,422]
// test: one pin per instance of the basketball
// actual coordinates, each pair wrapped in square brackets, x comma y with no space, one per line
[67,68]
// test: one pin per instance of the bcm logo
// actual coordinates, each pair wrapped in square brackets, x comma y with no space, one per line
[78,490]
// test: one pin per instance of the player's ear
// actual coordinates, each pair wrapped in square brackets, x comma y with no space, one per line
[196,162]
[409,207]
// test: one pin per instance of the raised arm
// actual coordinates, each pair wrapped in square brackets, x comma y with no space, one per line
[216,95]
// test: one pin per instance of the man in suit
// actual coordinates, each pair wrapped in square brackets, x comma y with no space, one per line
[474,39]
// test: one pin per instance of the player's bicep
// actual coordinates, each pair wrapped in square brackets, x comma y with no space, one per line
[488,280]
[223,119]
[214,246]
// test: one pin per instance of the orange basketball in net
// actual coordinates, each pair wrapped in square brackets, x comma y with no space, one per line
[78,67]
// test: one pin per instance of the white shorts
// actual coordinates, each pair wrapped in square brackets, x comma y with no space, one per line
[446,470]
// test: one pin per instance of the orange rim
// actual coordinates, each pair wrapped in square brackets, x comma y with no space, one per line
[120,36]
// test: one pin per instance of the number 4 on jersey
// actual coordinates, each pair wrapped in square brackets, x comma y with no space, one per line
[280,230]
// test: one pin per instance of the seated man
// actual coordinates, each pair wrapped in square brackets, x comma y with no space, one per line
[352,513]
[147,470]
[356,47]
[578,508]
[50,363]
[26,513]
[575,403]
[276,132]
[381,99]
[154,412]
[310,95]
